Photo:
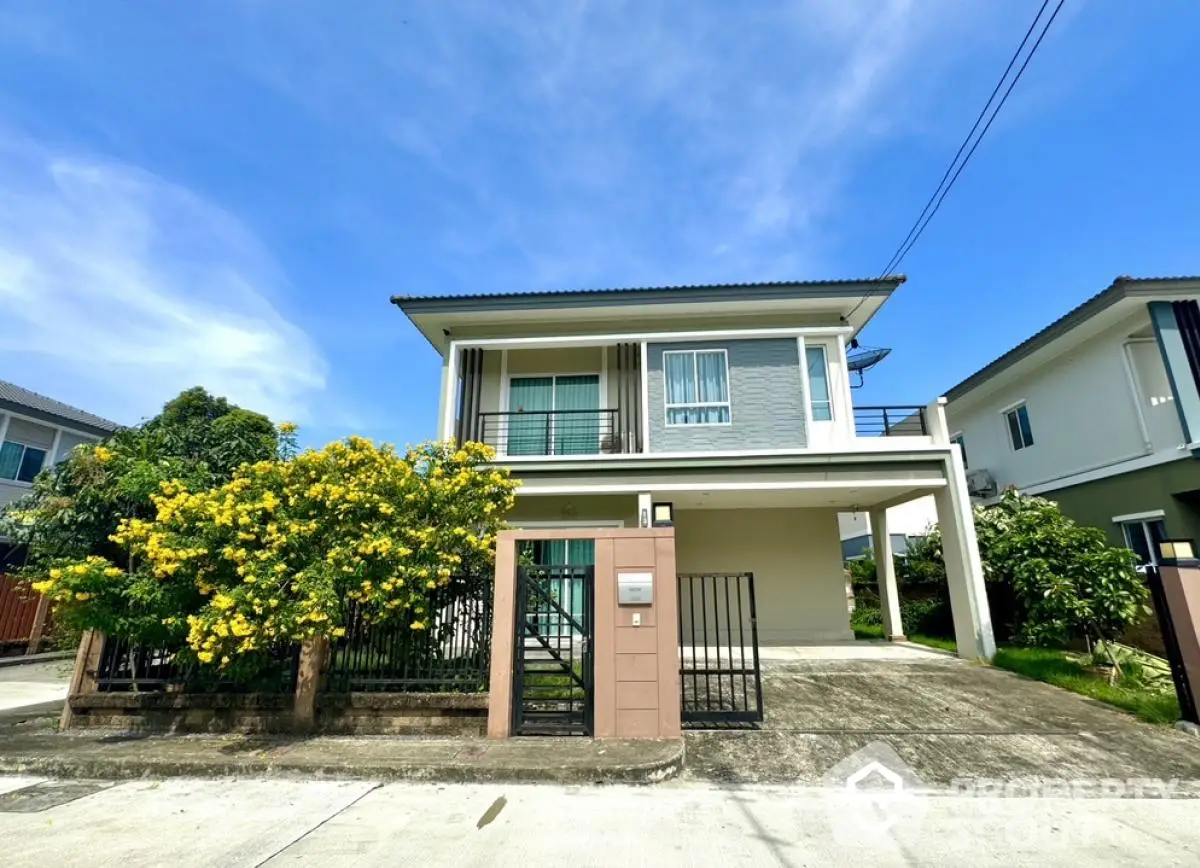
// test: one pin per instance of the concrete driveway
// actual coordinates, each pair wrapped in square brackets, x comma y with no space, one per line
[947,719]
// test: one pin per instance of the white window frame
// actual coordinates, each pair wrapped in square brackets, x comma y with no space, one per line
[46,454]
[697,405]
[831,401]
[506,398]
[1142,520]
[1004,414]
[957,437]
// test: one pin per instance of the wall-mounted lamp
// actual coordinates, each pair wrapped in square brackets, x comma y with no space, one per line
[1176,550]
[664,515]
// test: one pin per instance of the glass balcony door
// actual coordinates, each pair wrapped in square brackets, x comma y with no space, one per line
[554,415]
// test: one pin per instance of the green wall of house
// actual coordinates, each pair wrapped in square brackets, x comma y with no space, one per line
[1173,487]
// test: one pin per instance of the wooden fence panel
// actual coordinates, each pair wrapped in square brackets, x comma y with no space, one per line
[18,610]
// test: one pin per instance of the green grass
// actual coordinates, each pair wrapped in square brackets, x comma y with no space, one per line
[874,631]
[1062,670]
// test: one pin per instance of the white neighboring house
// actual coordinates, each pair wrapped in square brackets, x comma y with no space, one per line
[1098,411]
[905,522]
[731,402]
[38,432]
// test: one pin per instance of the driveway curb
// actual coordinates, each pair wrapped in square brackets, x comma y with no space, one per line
[554,761]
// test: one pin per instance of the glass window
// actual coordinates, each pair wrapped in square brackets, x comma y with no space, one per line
[818,384]
[1019,431]
[962,445]
[697,387]
[20,462]
[1143,538]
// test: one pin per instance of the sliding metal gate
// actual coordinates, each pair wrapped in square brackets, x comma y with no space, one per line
[719,671]
[552,671]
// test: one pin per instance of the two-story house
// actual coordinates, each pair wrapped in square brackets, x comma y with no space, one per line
[733,404]
[38,432]
[1098,411]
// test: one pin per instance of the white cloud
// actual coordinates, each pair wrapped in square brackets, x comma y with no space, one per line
[120,289]
[627,137]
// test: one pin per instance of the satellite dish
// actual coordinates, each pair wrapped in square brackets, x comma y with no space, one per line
[863,360]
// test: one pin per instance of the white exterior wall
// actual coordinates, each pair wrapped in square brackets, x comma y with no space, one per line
[1085,412]
[41,436]
[796,558]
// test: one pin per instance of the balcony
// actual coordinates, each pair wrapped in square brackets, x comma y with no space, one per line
[896,421]
[555,432]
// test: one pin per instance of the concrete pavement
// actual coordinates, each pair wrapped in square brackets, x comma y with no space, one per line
[278,823]
[42,685]
[946,719]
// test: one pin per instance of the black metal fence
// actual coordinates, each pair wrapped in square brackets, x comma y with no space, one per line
[720,676]
[452,653]
[124,666]
[890,422]
[556,432]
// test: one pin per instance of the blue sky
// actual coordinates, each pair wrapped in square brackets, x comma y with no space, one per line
[227,193]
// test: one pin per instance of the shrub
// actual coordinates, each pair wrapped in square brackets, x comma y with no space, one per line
[270,556]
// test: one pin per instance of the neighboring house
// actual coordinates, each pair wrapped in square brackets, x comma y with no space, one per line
[905,523]
[731,402]
[1098,411]
[38,432]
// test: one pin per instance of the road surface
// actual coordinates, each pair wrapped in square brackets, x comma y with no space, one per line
[331,823]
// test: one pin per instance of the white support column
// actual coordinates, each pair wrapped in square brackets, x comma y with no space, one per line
[449,392]
[964,570]
[645,505]
[644,388]
[935,422]
[885,575]
[52,459]
[4,417]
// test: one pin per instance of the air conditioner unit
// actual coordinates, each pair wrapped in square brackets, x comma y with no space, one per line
[981,484]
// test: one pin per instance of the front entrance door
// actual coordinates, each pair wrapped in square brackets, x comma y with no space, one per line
[552,672]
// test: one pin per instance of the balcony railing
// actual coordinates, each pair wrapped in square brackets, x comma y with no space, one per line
[552,432]
[890,422]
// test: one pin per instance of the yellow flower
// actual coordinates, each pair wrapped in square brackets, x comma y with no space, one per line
[223,602]
[83,597]
[43,587]
[288,428]
[103,454]
[417,625]
[339,632]
[205,656]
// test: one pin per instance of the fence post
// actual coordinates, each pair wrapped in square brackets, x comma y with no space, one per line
[313,655]
[39,624]
[83,679]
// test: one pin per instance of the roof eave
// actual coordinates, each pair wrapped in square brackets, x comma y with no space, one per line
[1120,289]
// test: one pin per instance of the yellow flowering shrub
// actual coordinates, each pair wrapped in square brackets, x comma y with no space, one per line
[275,552]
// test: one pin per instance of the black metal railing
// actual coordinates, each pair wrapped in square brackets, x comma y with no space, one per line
[124,666]
[552,432]
[890,422]
[451,652]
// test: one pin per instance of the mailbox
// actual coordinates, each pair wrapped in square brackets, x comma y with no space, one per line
[635,589]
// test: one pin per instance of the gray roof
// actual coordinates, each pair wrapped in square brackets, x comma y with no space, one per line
[640,295]
[27,403]
[1119,289]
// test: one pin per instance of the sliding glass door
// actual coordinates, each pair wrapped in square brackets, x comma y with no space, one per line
[555,415]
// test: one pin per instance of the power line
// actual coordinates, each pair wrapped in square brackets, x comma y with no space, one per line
[943,189]
[894,261]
